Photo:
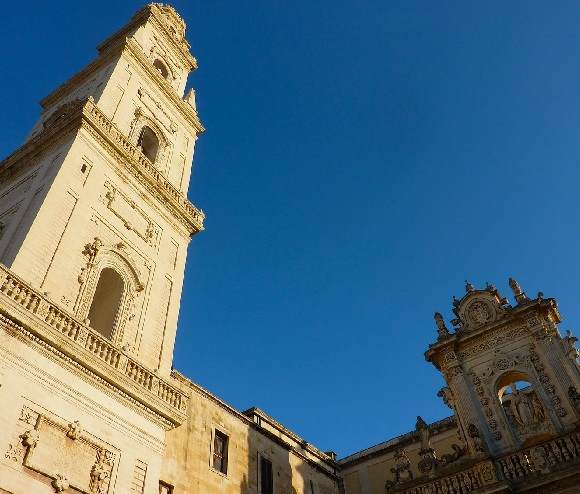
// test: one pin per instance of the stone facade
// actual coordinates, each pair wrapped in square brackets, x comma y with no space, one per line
[94,227]
[512,383]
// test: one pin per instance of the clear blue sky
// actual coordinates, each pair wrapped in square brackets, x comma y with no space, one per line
[361,160]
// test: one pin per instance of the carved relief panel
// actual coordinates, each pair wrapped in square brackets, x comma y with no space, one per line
[132,216]
[62,452]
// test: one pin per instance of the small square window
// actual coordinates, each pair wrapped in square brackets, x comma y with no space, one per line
[220,452]
[165,488]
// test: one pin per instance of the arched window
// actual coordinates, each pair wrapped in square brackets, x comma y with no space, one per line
[106,302]
[160,66]
[148,143]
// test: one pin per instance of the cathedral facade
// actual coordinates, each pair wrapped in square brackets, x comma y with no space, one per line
[94,228]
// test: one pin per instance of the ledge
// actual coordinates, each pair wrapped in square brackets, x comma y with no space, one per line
[64,334]
[87,115]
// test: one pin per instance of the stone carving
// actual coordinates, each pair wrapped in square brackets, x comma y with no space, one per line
[132,216]
[83,463]
[574,397]
[545,380]
[519,294]
[524,411]
[486,406]
[60,482]
[428,460]
[469,287]
[90,251]
[459,450]
[540,459]
[101,473]
[476,440]
[442,330]
[30,438]
[423,433]
[569,342]
[447,396]
[479,313]
[74,430]
[401,470]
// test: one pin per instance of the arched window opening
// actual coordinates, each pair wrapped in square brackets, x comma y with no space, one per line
[148,143]
[106,304]
[160,66]
[521,404]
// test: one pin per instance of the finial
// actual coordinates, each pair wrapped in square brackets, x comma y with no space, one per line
[489,286]
[455,301]
[519,294]
[442,330]
[540,295]
[469,287]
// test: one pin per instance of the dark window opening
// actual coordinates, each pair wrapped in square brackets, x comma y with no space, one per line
[165,488]
[160,66]
[148,143]
[220,452]
[106,302]
[266,476]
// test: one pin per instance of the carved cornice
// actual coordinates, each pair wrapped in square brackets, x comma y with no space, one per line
[32,316]
[87,115]
[130,47]
[187,111]
[516,322]
[157,14]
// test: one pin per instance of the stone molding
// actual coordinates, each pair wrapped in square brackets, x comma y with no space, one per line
[131,48]
[535,463]
[162,17]
[87,115]
[33,315]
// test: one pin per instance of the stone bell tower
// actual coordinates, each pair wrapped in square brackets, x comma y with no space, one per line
[512,379]
[94,228]
[93,207]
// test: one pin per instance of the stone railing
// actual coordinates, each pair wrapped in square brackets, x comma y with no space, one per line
[109,129]
[533,462]
[540,459]
[463,482]
[79,337]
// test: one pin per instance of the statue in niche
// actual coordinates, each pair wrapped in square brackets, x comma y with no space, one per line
[521,408]
[524,410]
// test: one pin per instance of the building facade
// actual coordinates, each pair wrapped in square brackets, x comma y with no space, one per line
[94,228]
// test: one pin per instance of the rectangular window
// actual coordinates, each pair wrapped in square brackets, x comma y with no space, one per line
[220,451]
[165,488]
[266,476]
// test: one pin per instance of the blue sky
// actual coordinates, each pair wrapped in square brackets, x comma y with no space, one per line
[361,160]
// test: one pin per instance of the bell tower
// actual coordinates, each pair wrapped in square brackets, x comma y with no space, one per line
[94,212]
[512,378]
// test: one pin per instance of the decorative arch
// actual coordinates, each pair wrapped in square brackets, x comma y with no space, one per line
[110,277]
[140,122]
[522,403]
